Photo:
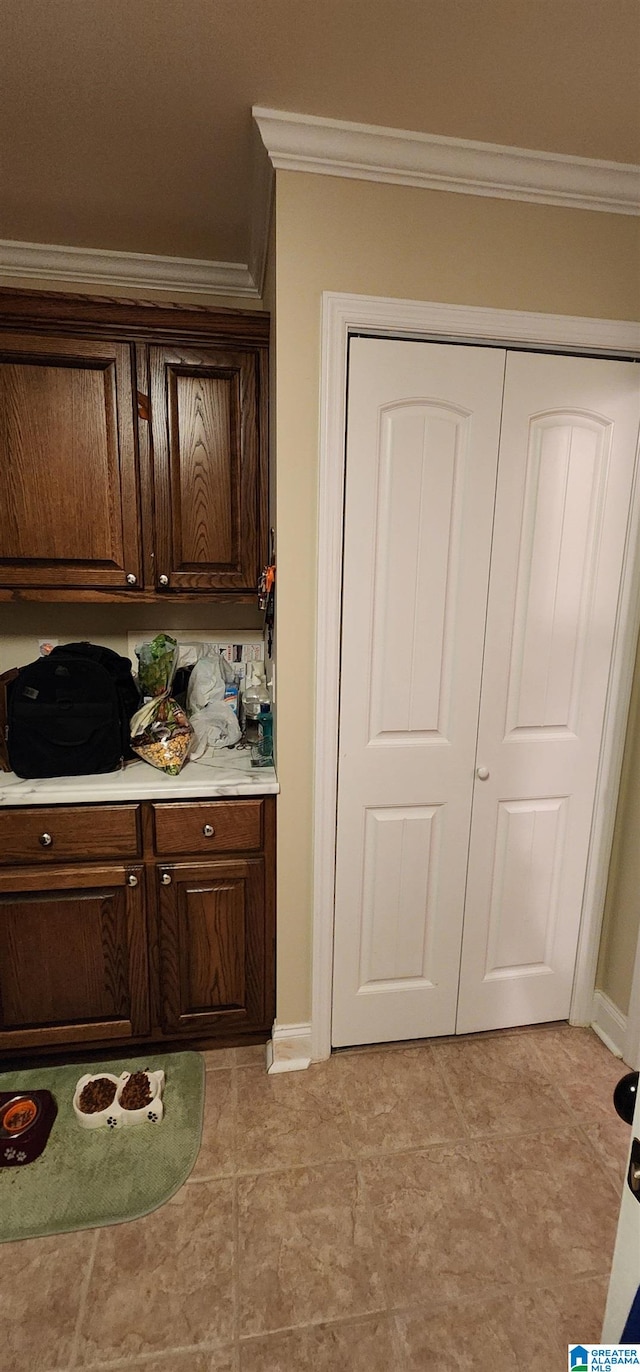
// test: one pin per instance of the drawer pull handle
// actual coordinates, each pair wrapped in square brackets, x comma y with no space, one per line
[132,580]
[46,840]
[166,878]
[132,879]
[163,580]
[208,830]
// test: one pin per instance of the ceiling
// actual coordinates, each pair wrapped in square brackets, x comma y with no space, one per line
[126,124]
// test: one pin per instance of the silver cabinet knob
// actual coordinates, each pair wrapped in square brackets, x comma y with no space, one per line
[131,579]
[46,840]
[208,830]
[166,878]
[163,580]
[482,773]
[132,879]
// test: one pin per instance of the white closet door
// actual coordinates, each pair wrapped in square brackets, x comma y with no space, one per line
[422,445]
[567,453]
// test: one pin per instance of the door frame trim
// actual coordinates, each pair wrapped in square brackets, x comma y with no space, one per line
[346,314]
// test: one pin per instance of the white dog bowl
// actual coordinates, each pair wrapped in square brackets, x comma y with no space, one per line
[116,1116]
[152,1112]
[111,1117]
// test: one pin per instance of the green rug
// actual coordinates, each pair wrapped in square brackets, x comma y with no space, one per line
[90,1177]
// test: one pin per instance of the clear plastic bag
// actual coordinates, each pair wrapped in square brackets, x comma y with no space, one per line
[208,681]
[157,665]
[214,729]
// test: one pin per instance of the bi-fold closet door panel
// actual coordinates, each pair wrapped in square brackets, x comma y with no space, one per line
[422,451]
[567,456]
[472,643]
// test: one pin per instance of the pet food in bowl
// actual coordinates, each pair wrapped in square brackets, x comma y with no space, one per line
[136,1092]
[19,1115]
[26,1120]
[140,1097]
[96,1095]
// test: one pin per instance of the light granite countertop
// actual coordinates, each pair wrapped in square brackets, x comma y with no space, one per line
[230,776]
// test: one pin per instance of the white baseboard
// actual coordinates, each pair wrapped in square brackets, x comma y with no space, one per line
[609,1023]
[289,1049]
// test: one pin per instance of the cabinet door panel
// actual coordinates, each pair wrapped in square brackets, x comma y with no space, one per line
[68,485]
[213,972]
[205,408]
[72,957]
[205,413]
[212,946]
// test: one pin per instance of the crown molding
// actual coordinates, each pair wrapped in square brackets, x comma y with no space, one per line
[367,152]
[334,147]
[263,182]
[99,267]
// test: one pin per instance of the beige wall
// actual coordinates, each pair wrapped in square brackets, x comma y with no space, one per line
[23,625]
[341,235]
[269,298]
[622,905]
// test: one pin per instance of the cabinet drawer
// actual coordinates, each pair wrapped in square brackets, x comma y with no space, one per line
[75,832]
[222,826]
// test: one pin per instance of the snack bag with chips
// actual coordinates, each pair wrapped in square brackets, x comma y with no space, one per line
[161,734]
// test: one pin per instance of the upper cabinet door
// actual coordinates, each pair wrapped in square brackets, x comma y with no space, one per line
[210,480]
[68,483]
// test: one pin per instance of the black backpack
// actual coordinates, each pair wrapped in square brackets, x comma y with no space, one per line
[69,713]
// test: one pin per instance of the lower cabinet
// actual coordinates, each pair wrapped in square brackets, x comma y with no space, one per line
[212,945]
[162,946]
[73,956]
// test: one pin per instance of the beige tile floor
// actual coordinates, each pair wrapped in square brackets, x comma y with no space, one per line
[444,1206]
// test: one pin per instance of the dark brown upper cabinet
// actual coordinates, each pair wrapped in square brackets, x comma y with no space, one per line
[133,450]
[206,468]
[68,482]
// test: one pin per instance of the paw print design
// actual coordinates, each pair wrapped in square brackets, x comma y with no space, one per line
[21,1157]
[111,1121]
[9,1154]
[152,1116]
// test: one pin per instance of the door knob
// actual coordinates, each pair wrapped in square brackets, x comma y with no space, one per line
[132,879]
[208,830]
[163,580]
[166,878]
[46,840]
[482,773]
[131,579]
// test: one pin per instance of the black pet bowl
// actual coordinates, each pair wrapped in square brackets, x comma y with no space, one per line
[26,1119]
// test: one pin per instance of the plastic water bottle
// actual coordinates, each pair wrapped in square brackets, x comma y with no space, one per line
[254,697]
[262,751]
